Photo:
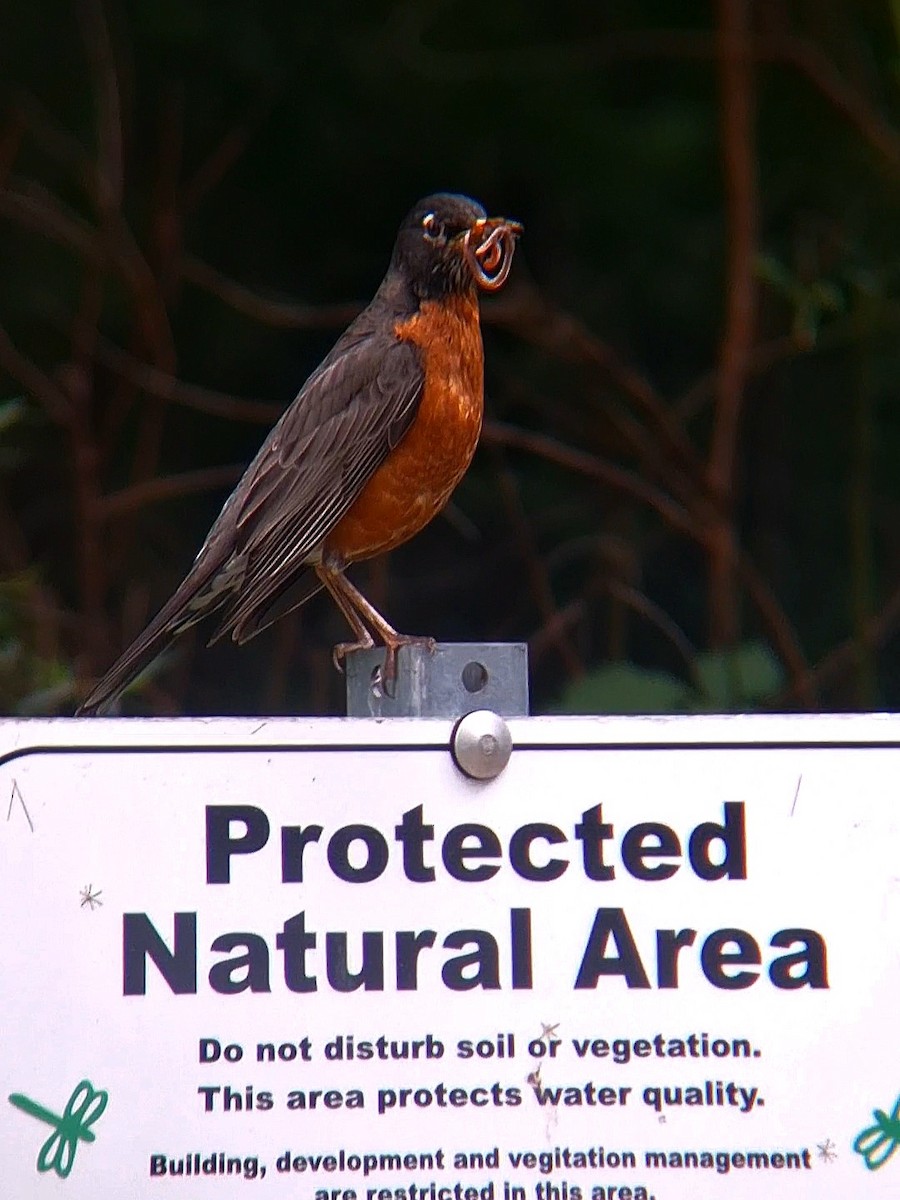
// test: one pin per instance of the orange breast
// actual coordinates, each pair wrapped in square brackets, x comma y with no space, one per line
[415,481]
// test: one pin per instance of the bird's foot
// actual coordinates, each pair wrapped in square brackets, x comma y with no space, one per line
[342,649]
[387,672]
[391,647]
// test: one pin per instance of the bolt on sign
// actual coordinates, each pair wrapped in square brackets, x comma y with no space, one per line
[649,960]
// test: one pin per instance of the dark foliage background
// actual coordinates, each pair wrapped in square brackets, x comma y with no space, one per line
[687,492]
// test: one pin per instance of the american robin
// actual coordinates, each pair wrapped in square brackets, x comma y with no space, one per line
[366,455]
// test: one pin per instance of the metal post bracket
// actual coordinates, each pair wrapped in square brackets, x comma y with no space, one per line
[454,679]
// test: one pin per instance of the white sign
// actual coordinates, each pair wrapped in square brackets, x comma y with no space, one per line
[653,960]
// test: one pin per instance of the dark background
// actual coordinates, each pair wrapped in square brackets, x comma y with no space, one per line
[686,497]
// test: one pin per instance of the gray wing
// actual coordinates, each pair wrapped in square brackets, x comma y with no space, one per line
[351,412]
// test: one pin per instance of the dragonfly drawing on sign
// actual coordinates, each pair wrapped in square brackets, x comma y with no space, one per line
[85,1106]
[880,1141]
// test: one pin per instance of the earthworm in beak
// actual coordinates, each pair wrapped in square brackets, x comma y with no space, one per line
[490,257]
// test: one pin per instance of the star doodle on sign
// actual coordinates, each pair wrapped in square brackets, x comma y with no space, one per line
[91,898]
[548,1031]
[827,1151]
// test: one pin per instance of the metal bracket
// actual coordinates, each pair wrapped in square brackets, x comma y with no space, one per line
[455,679]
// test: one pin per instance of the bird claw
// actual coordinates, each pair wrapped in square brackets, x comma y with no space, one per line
[342,649]
[389,670]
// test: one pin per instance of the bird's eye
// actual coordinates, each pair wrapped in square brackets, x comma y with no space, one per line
[434,229]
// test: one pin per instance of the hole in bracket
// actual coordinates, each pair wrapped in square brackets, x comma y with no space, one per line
[375,683]
[474,677]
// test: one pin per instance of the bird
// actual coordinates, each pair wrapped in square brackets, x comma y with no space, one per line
[364,457]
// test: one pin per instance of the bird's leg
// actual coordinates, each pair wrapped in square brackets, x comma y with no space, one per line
[363,617]
[332,579]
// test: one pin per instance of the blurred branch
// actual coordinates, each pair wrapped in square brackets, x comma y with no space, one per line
[656,616]
[33,206]
[736,85]
[760,359]
[10,143]
[861,515]
[578,610]
[526,313]
[838,334]
[150,308]
[91,559]
[166,213]
[219,162]
[778,627]
[34,380]
[407,41]
[846,656]
[280,314]
[161,279]
[60,146]
[779,631]
[167,487]
[818,69]
[558,625]
[36,208]
[128,228]
[165,386]
[538,576]
[15,556]
[582,463]
[104,78]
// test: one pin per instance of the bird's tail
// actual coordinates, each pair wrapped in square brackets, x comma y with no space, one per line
[192,601]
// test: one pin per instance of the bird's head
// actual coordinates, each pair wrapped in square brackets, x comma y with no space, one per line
[448,244]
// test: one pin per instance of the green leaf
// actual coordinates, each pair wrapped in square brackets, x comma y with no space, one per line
[731,680]
[895,13]
[826,297]
[737,678]
[625,688]
[771,270]
[11,412]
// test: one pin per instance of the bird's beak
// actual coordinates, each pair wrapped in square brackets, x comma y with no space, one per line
[488,247]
